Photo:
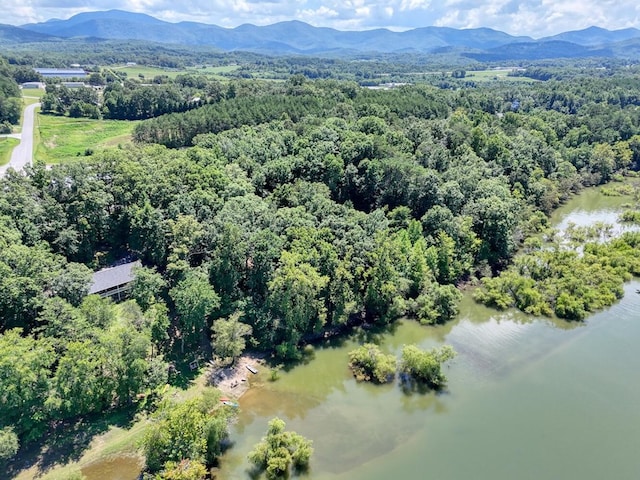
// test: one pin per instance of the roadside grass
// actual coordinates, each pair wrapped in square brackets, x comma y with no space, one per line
[6,147]
[29,97]
[60,139]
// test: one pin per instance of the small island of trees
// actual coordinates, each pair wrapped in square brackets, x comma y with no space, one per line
[368,363]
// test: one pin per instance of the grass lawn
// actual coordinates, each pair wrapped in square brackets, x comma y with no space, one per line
[81,445]
[6,147]
[114,437]
[63,139]
[32,95]
[493,75]
[134,71]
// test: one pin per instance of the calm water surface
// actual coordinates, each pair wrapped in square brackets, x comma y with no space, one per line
[527,398]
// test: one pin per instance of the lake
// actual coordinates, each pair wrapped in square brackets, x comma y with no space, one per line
[527,398]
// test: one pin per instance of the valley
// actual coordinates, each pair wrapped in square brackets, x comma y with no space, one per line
[292,251]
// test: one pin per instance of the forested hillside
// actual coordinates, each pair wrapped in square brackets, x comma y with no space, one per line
[9,102]
[296,208]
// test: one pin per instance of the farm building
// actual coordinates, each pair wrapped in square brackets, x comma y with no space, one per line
[61,72]
[32,85]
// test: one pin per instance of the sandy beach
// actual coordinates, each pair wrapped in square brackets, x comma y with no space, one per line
[234,380]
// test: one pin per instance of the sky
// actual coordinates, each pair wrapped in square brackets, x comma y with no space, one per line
[535,18]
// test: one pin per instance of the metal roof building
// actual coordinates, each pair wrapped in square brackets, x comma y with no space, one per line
[61,72]
[113,282]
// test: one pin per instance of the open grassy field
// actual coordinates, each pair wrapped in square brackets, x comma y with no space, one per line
[64,139]
[493,75]
[134,71]
[215,72]
[6,147]
[32,95]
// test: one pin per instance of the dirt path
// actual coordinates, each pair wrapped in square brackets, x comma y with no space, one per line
[234,381]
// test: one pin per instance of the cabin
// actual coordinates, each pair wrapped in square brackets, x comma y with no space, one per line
[114,282]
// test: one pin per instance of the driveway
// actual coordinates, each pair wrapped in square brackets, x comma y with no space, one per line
[22,155]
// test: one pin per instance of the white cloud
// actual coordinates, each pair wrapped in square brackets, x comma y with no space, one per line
[414,4]
[524,17]
[312,16]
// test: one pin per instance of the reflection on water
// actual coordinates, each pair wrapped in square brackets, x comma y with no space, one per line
[589,208]
[120,467]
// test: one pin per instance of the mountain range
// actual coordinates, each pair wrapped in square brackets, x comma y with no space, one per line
[294,37]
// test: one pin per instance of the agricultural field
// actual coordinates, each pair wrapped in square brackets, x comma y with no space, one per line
[62,139]
[148,73]
[493,75]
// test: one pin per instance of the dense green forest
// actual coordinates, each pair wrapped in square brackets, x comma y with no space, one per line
[10,103]
[295,208]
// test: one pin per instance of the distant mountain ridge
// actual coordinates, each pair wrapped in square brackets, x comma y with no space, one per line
[12,34]
[295,37]
[595,36]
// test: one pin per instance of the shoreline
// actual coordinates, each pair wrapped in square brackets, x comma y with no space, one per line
[235,380]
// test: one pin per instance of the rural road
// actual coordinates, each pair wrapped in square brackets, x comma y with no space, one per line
[22,155]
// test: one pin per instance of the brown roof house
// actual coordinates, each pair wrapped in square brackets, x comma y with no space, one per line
[114,282]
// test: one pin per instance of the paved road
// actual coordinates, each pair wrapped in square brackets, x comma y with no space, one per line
[22,155]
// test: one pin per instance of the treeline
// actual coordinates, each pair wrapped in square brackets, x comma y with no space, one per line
[76,102]
[127,99]
[10,104]
[179,130]
[301,208]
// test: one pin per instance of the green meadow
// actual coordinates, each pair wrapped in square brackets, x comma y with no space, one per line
[61,139]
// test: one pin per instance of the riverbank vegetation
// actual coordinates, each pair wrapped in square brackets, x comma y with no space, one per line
[559,279]
[192,431]
[297,210]
[630,216]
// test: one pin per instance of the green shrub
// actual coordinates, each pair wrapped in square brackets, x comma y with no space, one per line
[368,363]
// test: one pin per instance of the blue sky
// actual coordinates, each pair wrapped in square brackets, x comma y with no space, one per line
[535,18]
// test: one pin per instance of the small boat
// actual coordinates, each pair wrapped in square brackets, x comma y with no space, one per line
[251,369]
[229,403]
